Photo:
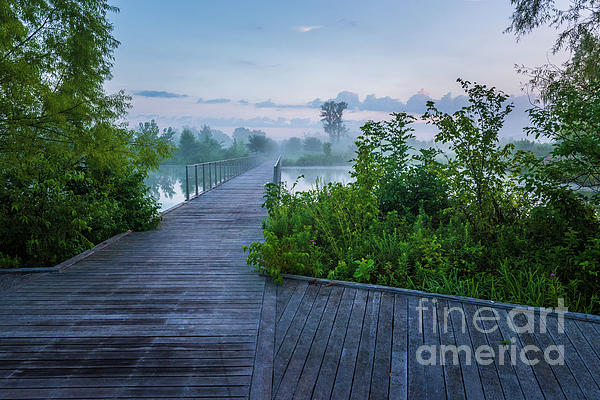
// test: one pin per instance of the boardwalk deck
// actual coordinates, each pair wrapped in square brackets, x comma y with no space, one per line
[177,313]
[344,341]
[170,313]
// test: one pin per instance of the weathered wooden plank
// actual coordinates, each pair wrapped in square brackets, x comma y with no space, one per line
[416,370]
[262,377]
[107,355]
[296,362]
[507,374]
[585,351]
[366,349]
[399,374]
[284,293]
[123,362]
[470,373]
[284,353]
[565,378]
[331,358]
[164,370]
[345,371]
[435,387]
[591,333]
[98,382]
[571,356]
[130,392]
[548,384]
[311,372]
[382,364]
[288,314]
[452,373]
[487,368]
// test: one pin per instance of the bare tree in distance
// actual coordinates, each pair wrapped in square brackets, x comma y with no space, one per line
[331,117]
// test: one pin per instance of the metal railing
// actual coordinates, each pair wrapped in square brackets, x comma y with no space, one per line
[211,174]
[277,171]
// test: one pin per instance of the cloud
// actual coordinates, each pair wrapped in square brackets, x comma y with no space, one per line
[350,98]
[265,104]
[243,102]
[159,93]
[374,103]
[306,28]
[253,64]
[316,103]
[213,101]
[271,104]
[217,101]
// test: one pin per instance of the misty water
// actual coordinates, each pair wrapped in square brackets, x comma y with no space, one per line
[312,174]
[167,184]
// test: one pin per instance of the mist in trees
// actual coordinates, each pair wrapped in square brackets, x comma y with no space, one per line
[331,117]
[197,146]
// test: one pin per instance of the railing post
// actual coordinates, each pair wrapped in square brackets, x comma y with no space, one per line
[277,171]
[187,187]
[219,172]
[196,177]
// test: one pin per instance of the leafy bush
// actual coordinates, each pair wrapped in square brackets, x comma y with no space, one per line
[71,174]
[466,227]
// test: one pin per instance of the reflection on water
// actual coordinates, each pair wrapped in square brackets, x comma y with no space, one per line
[167,185]
[311,174]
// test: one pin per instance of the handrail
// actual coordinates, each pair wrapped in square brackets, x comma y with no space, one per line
[277,171]
[215,173]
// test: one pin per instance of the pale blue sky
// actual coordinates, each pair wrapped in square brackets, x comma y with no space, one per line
[293,52]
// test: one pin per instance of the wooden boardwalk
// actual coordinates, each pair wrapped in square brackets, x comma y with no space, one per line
[349,341]
[170,313]
[176,313]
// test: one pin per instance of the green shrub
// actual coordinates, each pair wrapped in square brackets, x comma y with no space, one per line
[463,228]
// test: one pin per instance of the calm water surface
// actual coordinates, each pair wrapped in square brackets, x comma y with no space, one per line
[312,174]
[167,184]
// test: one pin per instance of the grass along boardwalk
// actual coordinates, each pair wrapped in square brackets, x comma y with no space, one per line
[177,313]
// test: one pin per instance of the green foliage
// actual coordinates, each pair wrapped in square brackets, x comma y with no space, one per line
[465,227]
[402,182]
[312,145]
[331,117]
[479,174]
[261,144]
[204,145]
[363,270]
[71,174]
[539,150]
[243,134]
[571,120]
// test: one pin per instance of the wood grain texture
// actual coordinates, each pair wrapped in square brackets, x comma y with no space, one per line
[367,342]
[174,312]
